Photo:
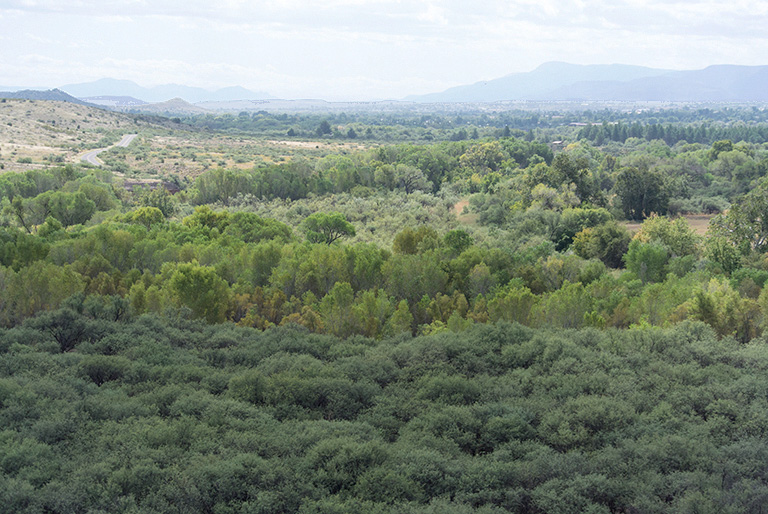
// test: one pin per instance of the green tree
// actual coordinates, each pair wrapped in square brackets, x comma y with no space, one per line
[200,289]
[327,227]
[676,235]
[458,240]
[641,192]
[411,179]
[71,208]
[607,242]
[401,320]
[146,216]
[647,260]
[745,224]
[323,129]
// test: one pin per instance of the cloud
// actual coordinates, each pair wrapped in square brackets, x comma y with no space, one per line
[358,47]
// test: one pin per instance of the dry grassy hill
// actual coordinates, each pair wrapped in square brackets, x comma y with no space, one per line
[35,133]
[41,133]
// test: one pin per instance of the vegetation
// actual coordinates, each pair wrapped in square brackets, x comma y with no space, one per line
[455,324]
[154,414]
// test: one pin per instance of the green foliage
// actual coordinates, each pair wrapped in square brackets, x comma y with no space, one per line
[104,368]
[675,235]
[327,227]
[607,242]
[721,251]
[409,241]
[248,387]
[745,225]
[70,208]
[497,418]
[146,216]
[641,193]
[647,261]
[573,221]
[221,185]
[200,289]
[458,240]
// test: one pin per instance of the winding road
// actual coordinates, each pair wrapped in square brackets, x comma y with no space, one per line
[90,157]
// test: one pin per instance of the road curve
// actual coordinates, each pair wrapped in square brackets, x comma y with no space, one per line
[90,157]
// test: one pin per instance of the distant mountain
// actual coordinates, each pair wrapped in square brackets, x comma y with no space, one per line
[51,94]
[569,82]
[114,87]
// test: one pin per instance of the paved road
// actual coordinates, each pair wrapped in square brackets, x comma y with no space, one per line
[90,157]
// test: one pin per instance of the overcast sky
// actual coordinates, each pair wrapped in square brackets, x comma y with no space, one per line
[361,49]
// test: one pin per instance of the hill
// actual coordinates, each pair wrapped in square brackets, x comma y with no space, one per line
[557,81]
[40,132]
[56,95]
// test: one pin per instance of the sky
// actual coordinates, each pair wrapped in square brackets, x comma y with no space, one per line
[361,49]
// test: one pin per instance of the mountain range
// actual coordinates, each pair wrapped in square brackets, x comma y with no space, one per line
[114,87]
[550,82]
[557,81]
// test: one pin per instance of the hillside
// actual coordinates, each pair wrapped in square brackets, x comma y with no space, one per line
[56,95]
[37,133]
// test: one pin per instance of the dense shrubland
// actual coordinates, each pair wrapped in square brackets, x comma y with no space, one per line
[163,414]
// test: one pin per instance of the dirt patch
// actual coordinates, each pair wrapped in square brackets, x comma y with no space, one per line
[464,218]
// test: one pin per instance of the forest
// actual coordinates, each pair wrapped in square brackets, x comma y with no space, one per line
[507,313]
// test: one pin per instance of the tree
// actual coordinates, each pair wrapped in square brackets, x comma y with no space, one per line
[641,192]
[202,290]
[71,208]
[146,216]
[458,240]
[718,147]
[676,235]
[647,260]
[409,241]
[746,223]
[401,321]
[607,242]
[323,129]
[66,326]
[327,227]
[410,179]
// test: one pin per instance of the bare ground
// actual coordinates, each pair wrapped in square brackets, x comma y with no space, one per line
[464,217]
